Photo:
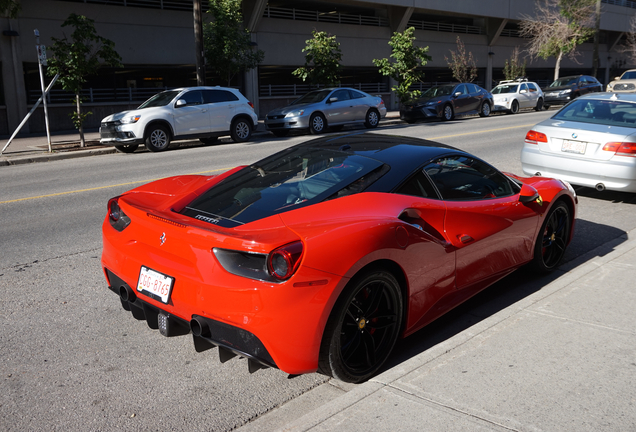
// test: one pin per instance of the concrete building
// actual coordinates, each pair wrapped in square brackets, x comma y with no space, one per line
[155,39]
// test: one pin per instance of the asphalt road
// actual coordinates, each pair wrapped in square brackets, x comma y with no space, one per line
[73,359]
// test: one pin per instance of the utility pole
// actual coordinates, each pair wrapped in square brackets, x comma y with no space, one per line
[41,49]
[198,41]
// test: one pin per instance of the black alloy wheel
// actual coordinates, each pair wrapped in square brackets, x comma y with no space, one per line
[448,113]
[317,124]
[362,328]
[158,139]
[372,119]
[514,107]
[539,106]
[553,238]
[484,111]
[127,148]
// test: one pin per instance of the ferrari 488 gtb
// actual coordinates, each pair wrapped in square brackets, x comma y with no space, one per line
[320,257]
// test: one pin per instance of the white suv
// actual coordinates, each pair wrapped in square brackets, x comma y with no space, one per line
[184,113]
[512,95]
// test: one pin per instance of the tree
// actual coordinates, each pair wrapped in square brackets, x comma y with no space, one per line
[403,68]
[629,48]
[9,8]
[558,28]
[322,60]
[513,68]
[228,44]
[462,65]
[78,58]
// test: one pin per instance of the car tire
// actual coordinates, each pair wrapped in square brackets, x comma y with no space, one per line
[281,133]
[372,119]
[127,148]
[539,106]
[241,130]
[157,138]
[317,124]
[209,140]
[448,113]
[362,328]
[552,239]
[484,110]
[514,107]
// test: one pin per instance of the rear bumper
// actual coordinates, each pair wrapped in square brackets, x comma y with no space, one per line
[617,174]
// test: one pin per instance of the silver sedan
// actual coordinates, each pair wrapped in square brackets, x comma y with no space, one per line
[330,107]
[589,142]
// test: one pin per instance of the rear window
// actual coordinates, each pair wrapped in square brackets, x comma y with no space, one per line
[604,112]
[285,181]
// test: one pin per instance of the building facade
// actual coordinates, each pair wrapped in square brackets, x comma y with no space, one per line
[155,39]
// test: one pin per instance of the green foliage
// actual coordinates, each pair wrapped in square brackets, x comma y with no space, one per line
[403,68]
[322,60]
[228,44]
[79,118]
[462,65]
[513,68]
[9,8]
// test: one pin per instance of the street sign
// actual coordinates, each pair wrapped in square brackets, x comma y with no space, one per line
[41,54]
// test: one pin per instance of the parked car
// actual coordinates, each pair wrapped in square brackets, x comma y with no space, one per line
[589,142]
[319,257]
[626,83]
[564,89]
[184,113]
[512,95]
[447,101]
[324,108]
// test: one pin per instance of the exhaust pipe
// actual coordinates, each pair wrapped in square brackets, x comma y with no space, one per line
[127,294]
[600,187]
[199,327]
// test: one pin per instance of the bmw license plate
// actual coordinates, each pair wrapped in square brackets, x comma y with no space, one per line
[154,284]
[577,147]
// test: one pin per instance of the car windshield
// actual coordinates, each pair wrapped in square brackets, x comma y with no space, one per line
[629,75]
[445,90]
[505,88]
[160,99]
[283,182]
[564,82]
[312,97]
[604,112]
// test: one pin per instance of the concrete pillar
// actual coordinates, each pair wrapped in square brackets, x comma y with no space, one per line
[15,97]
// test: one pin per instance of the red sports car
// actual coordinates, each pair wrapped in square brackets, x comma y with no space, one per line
[319,257]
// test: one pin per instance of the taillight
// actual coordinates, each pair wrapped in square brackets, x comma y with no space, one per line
[250,104]
[534,137]
[621,148]
[284,261]
[116,216]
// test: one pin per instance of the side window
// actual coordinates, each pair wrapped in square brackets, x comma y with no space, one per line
[524,86]
[419,185]
[463,178]
[214,96]
[460,88]
[342,95]
[356,94]
[532,87]
[193,97]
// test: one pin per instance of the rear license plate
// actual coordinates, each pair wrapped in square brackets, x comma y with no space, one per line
[577,147]
[154,284]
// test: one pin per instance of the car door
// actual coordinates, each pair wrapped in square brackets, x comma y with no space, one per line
[491,230]
[359,105]
[339,110]
[474,97]
[191,116]
[461,99]
[525,97]
[221,107]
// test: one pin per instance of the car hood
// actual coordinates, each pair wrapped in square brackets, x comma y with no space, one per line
[559,88]
[118,116]
[290,108]
[424,101]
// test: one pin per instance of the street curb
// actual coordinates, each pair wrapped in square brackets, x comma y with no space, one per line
[572,272]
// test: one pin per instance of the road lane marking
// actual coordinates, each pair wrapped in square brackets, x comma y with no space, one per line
[487,130]
[102,187]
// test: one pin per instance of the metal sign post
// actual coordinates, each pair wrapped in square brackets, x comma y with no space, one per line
[42,61]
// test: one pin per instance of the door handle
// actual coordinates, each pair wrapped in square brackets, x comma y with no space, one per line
[465,238]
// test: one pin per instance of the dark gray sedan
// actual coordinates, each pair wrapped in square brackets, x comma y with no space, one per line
[329,107]
[447,101]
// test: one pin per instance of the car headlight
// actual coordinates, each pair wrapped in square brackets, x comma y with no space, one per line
[432,103]
[295,113]
[130,119]
[564,92]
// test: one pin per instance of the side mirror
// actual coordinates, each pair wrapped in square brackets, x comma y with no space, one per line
[528,194]
[523,91]
[457,94]
[181,102]
[333,99]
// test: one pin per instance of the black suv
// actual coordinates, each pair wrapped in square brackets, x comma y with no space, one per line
[564,89]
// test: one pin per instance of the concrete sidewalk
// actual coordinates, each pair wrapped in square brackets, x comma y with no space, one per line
[560,359]
[65,145]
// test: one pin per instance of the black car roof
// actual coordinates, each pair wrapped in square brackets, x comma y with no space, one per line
[402,154]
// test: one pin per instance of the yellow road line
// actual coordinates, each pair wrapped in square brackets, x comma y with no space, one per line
[488,130]
[100,187]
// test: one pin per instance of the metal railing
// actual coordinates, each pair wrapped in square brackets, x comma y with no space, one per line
[91,95]
[625,3]
[151,4]
[443,27]
[274,90]
[332,17]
